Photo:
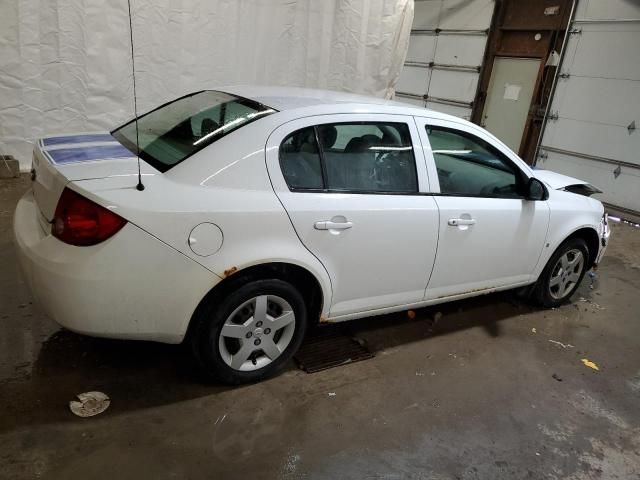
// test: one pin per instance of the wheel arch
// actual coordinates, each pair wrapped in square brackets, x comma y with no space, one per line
[300,277]
[591,238]
[587,232]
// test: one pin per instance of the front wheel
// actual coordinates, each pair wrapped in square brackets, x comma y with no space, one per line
[250,333]
[563,273]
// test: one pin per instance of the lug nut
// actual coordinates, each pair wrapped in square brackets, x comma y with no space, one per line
[256,341]
[258,324]
[267,331]
[249,334]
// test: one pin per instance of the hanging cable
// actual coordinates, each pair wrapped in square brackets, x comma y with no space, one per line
[140,186]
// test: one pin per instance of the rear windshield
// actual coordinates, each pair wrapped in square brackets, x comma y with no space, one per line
[171,133]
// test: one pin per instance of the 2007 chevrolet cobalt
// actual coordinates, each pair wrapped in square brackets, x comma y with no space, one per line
[266,210]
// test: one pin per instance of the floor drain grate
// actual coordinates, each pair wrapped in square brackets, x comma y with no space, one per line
[329,347]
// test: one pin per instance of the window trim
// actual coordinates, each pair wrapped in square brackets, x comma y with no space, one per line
[315,126]
[521,177]
[323,165]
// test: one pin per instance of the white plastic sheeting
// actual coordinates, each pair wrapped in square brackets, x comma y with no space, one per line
[65,65]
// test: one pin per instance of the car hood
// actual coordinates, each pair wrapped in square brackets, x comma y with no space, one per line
[557,181]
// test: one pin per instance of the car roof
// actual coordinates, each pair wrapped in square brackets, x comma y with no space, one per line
[293,98]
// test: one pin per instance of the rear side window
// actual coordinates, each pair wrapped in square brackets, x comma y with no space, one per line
[470,166]
[300,160]
[171,133]
[363,157]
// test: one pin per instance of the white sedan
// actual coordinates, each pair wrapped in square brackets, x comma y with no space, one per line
[266,210]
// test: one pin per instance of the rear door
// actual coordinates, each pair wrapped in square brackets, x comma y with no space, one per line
[352,185]
[490,235]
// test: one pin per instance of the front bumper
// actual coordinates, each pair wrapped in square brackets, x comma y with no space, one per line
[131,286]
[605,233]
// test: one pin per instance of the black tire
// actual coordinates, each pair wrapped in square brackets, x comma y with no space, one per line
[211,315]
[542,294]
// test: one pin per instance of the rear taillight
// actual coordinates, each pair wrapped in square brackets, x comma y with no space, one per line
[79,221]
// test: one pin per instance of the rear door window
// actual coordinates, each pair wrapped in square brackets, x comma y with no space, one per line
[300,160]
[363,157]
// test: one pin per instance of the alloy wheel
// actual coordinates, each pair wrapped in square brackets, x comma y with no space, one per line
[257,332]
[566,274]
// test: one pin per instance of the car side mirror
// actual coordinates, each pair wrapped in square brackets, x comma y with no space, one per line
[536,190]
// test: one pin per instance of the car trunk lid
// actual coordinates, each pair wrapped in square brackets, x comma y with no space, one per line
[60,160]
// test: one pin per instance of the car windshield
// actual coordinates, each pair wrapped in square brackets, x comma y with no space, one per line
[169,134]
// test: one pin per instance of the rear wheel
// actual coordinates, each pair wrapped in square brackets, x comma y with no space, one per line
[250,333]
[563,273]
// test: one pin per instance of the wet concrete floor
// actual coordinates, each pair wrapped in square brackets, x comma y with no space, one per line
[471,396]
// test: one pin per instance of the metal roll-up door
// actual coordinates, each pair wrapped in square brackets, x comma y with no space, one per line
[446,49]
[592,130]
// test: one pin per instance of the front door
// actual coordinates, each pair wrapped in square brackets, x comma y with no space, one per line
[509,95]
[351,187]
[490,236]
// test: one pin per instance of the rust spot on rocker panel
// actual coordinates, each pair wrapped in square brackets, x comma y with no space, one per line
[474,290]
[230,271]
[324,319]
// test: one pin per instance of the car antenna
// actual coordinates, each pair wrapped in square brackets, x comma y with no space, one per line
[140,186]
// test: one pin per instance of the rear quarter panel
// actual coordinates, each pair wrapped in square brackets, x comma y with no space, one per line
[226,184]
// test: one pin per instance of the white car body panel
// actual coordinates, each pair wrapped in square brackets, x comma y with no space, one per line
[568,214]
[400,253]
[255,226]
[115,289]
[471,257]
[557,180]
[392,235]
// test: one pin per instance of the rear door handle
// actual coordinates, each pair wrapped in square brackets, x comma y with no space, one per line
[455,222]
[329,225]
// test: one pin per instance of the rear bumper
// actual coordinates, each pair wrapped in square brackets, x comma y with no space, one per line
[131,286]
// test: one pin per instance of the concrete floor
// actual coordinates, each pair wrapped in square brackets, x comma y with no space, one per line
[470,397]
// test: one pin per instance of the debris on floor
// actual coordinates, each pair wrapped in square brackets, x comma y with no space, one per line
[90,404]
[582,299]
[590,364]
[556,377]
[332,394]
[563,345]
[533,330]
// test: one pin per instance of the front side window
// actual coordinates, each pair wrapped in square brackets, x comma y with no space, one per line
[171,133]
[470,166]
[363,157]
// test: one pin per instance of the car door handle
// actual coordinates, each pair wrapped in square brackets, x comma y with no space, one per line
[329,225]
[455,222]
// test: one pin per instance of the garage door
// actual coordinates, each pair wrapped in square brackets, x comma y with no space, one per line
[593,131]
[447,44]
